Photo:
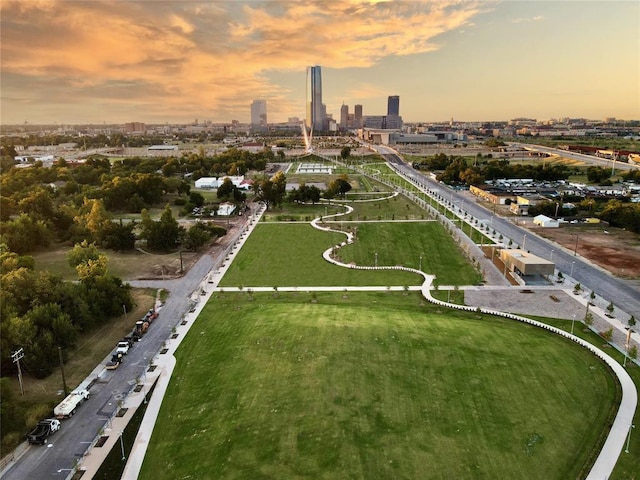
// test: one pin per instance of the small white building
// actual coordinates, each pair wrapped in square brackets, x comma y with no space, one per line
[207,182]
[546,222]
[225,209]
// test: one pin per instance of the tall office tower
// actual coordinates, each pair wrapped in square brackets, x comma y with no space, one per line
[393,105]
[315,109]
[357,114]
[259,115]
[344,117]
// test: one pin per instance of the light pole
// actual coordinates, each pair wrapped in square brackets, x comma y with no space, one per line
[376,260]
[420,263]
[626,346]
[572,322]
[552,255]
[572,265]
[626,450]
[524,241]
[122,447]
[575,249]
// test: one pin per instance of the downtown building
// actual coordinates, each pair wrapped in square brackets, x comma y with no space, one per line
[391,121]
[316,111]
[259,116]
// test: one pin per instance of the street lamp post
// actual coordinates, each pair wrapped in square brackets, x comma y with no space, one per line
[572,265]
[524,241]
[572,322]
[626,348]
[420,263]
[122,447]
[575,249]
[552,255]
[376,260]
[626,450]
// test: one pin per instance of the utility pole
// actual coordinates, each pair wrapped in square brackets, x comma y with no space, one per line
[64,382]
[16,356]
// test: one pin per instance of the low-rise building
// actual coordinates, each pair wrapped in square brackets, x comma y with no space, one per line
[546,222]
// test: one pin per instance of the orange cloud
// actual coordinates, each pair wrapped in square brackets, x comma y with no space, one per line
[186,59]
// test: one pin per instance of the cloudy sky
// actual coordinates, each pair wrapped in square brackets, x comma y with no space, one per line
[115,61]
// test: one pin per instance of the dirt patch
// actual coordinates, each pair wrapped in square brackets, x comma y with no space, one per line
[102,440]
[614,249]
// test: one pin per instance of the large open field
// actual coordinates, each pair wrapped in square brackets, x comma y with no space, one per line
[404,244]
[375,385]
[290,254]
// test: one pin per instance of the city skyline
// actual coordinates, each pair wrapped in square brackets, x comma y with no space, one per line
[71,62]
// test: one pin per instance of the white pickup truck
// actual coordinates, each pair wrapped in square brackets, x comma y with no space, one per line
[68,406]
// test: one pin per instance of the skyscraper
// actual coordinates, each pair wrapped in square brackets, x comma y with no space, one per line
[393,105]
[315,109]
[259,115]
[357,116]
[344,117]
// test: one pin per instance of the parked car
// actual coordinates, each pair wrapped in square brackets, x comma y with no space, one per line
[116,360]
[123,347]
[42,431]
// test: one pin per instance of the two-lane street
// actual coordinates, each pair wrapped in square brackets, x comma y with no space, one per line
[623,294]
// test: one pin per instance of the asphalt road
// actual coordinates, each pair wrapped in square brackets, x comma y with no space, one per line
[600,162]
[57,458]
[623,294]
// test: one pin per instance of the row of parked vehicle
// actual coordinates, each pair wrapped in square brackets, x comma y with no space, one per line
[68,406]
[130,340]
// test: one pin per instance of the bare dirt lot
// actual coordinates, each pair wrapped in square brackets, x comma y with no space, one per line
[614,249]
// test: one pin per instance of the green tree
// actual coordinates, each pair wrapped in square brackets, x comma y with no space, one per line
[82,253]
[165,234]
[345,152]
[25,234]
[196,237]
[338,187]
[610,308]
[598,174]
[225,191]
[93,268]
[120,236]
[96,219]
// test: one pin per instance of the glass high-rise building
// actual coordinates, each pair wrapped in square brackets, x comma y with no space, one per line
[259,115]
[315,109]
[393,105]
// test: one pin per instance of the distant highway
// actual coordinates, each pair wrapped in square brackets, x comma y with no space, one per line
[601,162]
[623,294]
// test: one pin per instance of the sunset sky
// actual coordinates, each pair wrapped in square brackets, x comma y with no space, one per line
[72,61]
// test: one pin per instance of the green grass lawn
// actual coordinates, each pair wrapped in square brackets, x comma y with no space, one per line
[286,254]
[376,385]
[395,208]
[404,244]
